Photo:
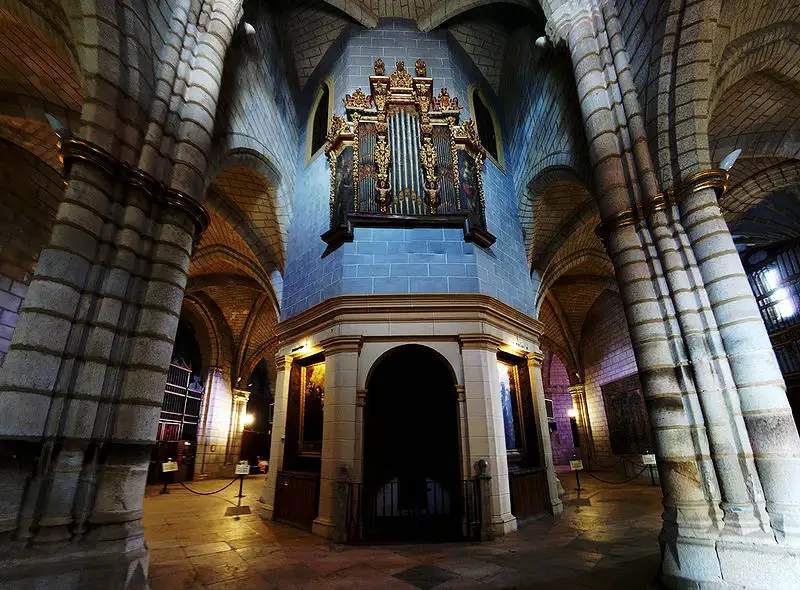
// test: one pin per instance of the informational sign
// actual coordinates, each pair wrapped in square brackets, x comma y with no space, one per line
[243,468]
[168,466]
[576,465]
[648,459]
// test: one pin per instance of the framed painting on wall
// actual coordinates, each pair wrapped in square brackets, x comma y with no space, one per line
[510,403]
[312,403]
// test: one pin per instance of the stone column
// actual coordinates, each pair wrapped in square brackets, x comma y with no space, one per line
[764,405]
[339,432]
[278,440]
[543,430]
[212,435]
[692,517]
[578,395]
[238,412]
[485,423]
[82,386]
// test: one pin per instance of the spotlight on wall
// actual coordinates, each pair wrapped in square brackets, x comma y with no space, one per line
[572,412]
[248,419]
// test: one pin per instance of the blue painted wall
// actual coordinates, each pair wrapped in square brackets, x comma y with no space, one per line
[419,260]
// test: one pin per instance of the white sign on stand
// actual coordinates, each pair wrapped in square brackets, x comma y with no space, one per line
[243,468]
[648,459]
[576,465]
[168,466]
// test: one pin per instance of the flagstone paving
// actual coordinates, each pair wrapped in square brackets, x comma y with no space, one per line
[606,539]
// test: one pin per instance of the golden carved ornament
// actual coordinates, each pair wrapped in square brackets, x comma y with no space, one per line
[358,100]
[445,103]
[382,158]
[381,95]
[338,127]
[428,159]
[400,78]
[380,67]
[421,69]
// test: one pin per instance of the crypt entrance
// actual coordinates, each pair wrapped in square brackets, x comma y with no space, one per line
[412,486]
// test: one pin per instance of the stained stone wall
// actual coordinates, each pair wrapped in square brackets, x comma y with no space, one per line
[398,260]
[607,356]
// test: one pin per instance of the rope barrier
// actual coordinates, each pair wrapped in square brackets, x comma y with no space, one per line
[617,482]
[208,493]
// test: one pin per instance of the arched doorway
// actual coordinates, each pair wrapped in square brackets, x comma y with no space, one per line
[412,473]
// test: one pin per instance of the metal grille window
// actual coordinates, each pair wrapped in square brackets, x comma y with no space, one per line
[776,285]
[180,411]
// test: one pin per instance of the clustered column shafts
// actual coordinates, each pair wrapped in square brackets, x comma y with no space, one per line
[695,328]
[85,405]
[764,405]
[719,403]
[689,484]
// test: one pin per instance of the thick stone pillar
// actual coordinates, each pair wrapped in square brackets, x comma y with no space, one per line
[238,412]
[692,516]
[212,434]
[82,386]
[278,440]
[764,405]
[586,444]
[339,432]
[485,424]
[543,430]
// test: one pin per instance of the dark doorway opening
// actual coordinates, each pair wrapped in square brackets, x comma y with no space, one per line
[412,475]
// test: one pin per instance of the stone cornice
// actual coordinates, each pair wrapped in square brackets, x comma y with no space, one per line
[241,394]
[479,342]
[73,149]
[406,308]
[535,358]
[341,344]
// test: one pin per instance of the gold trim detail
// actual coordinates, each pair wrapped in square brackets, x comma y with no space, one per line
[713,178]
[400,78]
[74,149]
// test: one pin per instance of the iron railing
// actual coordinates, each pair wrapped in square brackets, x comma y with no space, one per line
[414,510]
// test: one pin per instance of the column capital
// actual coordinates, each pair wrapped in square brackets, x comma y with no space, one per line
[479,342]
[339,344]
[535,358]
[361,398]
[242,395]
[461,393]
[283,362]
[579,389]
[565,16]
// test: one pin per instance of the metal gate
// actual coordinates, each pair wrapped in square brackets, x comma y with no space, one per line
[421,510]
[180,412]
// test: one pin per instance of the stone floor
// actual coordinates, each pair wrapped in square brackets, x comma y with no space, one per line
[606,538]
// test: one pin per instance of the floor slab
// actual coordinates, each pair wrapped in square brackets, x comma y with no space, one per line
[606,539]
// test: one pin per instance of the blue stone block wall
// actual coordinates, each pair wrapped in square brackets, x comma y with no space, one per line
[544,125]
[396,260]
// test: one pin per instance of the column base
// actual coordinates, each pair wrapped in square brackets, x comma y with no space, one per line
[265,511]
[701,564]
[111,565]
[505,526]
[323,527]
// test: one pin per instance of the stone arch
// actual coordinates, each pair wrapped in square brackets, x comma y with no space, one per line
[737,200]
[243,187]
[441,12]
[357,10]
[557,201]
[435,353]
[208,320]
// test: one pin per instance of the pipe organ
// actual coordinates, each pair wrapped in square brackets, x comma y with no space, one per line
[402,158]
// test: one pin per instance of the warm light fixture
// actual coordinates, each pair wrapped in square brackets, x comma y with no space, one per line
[248,419]
[572,412]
